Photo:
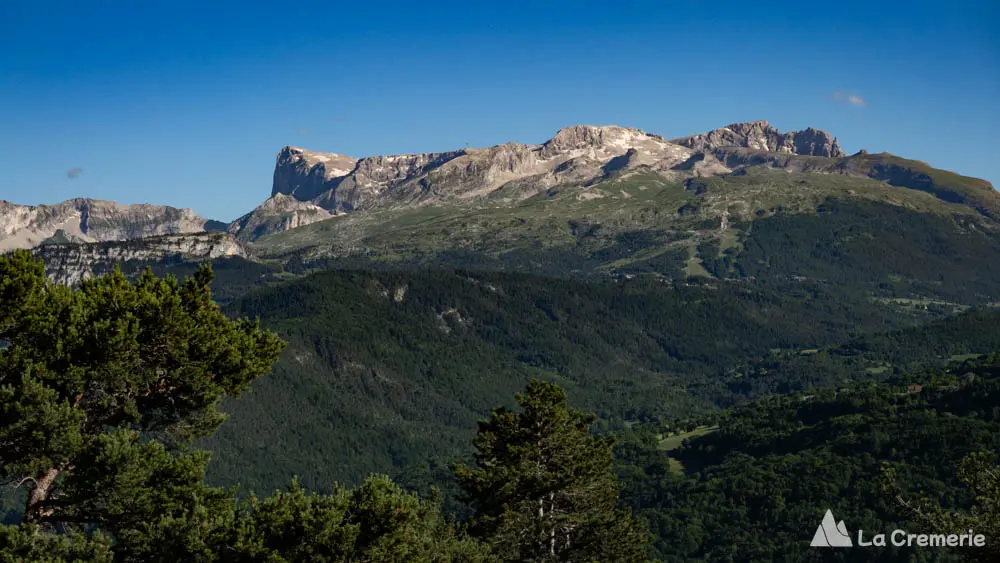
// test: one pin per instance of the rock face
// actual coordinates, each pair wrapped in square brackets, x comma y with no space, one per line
[578,154]
[305,174]
[279,213]
[72,263]
[760,135]
[339,184]
[91,220]
[381,177]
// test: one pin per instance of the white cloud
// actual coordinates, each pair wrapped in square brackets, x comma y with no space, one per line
[853,99]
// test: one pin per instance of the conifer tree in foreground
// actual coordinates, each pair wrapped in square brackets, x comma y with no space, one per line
[103,387]
[542,486]
[377,521]
[980,472]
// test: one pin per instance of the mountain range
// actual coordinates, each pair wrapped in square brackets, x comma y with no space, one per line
[576,194]
[310,186]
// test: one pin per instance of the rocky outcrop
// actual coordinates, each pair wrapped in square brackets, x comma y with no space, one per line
[380,178]
[279,213]
[305,175]
[762,136]
[72,263]
[598,142]
[703,164]
[92,220]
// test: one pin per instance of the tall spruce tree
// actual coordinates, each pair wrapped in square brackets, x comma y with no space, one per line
[542,486]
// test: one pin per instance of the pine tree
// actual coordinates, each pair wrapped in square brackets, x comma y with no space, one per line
[101,387]
[980,472]
[377,521]
[542,486]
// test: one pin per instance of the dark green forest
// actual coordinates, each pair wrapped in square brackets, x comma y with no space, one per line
[883,249]
[406,362]
[749,488]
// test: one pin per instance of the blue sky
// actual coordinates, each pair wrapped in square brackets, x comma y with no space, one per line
[187,103]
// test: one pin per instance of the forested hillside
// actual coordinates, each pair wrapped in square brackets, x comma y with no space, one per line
[731,440]
[104,387]
[752,483]
[384,370]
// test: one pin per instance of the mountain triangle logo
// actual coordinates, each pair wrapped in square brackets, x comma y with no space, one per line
[831,533]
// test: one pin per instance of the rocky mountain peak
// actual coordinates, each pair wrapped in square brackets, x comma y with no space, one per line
[597,136]
[761,135]
[751,128]
[339,183]
[305,174]
[279,213]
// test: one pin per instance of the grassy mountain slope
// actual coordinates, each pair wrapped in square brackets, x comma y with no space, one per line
[884,167]
[644,198]
[762,221]
[914,174]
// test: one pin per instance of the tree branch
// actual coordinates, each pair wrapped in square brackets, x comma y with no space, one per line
[21,482]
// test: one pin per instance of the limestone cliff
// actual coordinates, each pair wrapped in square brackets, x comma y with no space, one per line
[92,220]
[279,213]
[72,263]
[579,155]
[762,136]
[305,174]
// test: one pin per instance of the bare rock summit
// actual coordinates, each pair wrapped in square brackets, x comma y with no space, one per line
[305,174]
[762,136]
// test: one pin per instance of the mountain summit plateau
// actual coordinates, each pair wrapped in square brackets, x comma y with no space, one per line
[311,186]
